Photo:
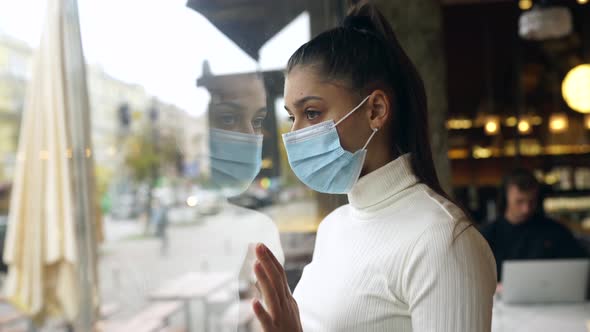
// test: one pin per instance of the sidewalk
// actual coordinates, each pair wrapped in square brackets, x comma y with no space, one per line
[131,265]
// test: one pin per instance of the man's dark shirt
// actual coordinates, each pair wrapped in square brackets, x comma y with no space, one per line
[537,238]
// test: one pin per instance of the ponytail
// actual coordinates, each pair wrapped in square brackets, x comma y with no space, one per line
[365,52]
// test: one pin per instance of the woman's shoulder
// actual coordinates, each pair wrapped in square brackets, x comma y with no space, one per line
[425,210]
[332,217]
[443,207]
[248,221]
[457,244]
[445,228]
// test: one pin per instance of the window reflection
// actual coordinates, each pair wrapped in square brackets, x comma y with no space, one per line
[178,235]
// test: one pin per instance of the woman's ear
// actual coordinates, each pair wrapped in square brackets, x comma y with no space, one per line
[379,109]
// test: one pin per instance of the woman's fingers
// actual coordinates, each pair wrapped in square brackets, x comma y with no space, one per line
[282,313]
[281,270]
[277,267]
[276,277]
[263,316]
[267,289]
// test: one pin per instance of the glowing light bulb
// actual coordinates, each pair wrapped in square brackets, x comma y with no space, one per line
[575,88]
[524,127]
[525,4]
[558,123]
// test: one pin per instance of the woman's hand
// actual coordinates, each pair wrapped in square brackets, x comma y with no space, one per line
[281,313]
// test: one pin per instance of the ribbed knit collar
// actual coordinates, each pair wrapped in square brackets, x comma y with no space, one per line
[382,184]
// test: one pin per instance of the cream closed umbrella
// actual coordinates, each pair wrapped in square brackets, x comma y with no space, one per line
[52,186]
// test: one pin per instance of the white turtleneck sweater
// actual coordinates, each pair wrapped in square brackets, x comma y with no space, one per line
[398,258]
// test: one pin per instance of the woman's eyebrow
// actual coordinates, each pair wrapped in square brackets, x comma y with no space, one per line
[303,100]
[230,104]
[299,103]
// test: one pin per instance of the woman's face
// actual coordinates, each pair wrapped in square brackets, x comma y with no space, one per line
[238,104]
[310,100]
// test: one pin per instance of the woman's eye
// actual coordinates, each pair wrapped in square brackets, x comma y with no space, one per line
[311,115]
[291,118]
[228,120]
[257,123]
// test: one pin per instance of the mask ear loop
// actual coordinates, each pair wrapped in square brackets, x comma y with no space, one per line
[354,109]
[375,130]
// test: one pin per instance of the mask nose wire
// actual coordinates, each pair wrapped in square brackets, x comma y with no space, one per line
[354,109]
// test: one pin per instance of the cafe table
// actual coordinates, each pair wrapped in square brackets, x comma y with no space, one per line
[193,286]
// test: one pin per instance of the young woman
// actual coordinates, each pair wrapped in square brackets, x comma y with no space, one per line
[401,256]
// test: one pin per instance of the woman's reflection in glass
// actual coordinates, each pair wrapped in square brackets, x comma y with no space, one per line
[236,114]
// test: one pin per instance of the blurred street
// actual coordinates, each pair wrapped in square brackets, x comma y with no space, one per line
[132,264]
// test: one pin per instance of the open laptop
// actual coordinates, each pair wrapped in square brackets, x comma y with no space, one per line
[545,281]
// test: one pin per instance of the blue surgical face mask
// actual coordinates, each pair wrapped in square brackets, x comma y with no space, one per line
[318,159]
[235,159]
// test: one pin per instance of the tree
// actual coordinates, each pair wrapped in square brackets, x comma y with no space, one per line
[148,152]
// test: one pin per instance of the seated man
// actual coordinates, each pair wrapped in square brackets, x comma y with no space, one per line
[522,231]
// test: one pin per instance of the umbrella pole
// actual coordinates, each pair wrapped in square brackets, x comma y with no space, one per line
[79,127]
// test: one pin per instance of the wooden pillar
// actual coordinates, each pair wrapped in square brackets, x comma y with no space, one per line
[325,14]
[418,25]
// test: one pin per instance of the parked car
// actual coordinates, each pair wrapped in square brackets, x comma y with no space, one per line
[206,202]
[124,206]
[252,201]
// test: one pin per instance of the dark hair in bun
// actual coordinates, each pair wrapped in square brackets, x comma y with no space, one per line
[361,23]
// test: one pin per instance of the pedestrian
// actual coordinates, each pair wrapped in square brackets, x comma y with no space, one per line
[160,222]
